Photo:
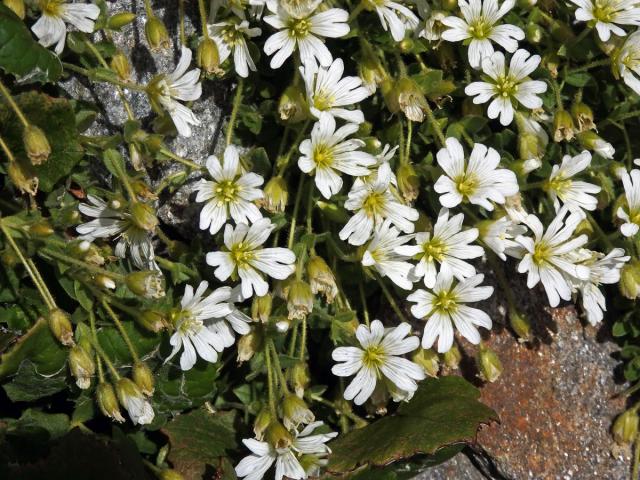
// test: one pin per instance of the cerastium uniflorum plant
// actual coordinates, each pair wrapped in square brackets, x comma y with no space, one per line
[383,168]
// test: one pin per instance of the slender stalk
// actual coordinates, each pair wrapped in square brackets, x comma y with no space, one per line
[294,147]
[590,65]
[350,415]
[407,152]
[185,161]
[101,77]
[293,341]
[94,335]
[237,100]
[41,280]
[303,340]
[123,332]
[105,358]
[356,11]
[183,38]
[202,10]
[73,261]
[14,106]
[596,226]
[272,399]
[296,208]
[7,150]
[124,178]
[147,8]
[556,91]
[276,361]
[390,299]
[434,123]
[363,300]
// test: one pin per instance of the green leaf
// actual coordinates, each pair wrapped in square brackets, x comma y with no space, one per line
[40,347]
[251,119]
[115,347]
[37,424]
[21,55]
[179,390]
[578,79]
[28,385]
[443,412]
[200,438]
[432,84]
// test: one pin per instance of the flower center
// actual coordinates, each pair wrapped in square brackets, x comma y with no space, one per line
[299,28]
[373,357]
[230,35]
[445,302]
[480,28]
[242,254]
[186,323]
[559,185]
[434,249]
[323,156]
[466,184]
[51,8]
[227,191]
[323,100]
[604,11]
[541,253]
[374,203]
[506,86]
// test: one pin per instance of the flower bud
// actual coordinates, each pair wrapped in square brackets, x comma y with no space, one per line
[132,398]
[276,195]
[625,427]
[321,278]
[82,366]
[147,283]
[9,258]
[143,216]
[583,116]
[295,412]
[408,182]
[120,64]
[261,308]
[406,45]
[17,6]
[278,436]
[520,324]
[333,212]
[371,71]
[248,345]
[156,33]
[630,280]
[36,144]
[119,20]
[534,33]
[411,99]
[143,377]
[389,95]
[41,228]
[170,474]
[282,326]
[452,357]
[489,364]
[60,326]
[207,56]
[592,141]
[152,320]
[428,360]
[262,422]
[299,377]
[108,403]
[104,281]
[23,177]
[293,106]
[299,299]
[563,126]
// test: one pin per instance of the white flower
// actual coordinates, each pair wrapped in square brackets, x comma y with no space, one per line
[231,193]
[546,258]
[373,203]
[263,456]
[477,181]
[382,253]
[606,14]
[109,221]
[328,152]
[395,17]
[134,401]
[50,27]
[433,27]
[178,85]
[508,87]
[499,235]
[378,359]
[628,61]
[603,148]
[479,25]
[230,36]
[630,213]
[445,307]
[304,33]
[328,91]
[603,269]
[381,169]
[448,246]
[575,194]
[245,257]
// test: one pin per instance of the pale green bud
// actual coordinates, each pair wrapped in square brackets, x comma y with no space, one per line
[143,377]
[156,33]
[108,402]
[146,283]
[60,326]
[625,427]
[36,144]
[489,364]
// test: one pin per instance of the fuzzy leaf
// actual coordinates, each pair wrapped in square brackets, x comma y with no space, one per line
[28,385]
[443,412]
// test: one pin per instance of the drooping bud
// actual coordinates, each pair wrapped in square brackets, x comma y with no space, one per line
[262,422]
[156,33]
[41,228]
[428,360]
[146,283]
[408,182]
[321,278]
[282,326]
[625,427]
[371,71]
[119,20]
[592,141]
[630,280]
[489,364]
[563,128]
[583,116]
[295,412]
[299,299]
[534,33]
[17,6]
[389,94]
[276,195]
[120,64]
[333,212]
[520,324]
[23,177]
[452,357]
[152,320]
[207,56]
[82,366]
[36,144]
[108,403]
[278,436]
[293,106]
[261,308]
[105,282]
[299,377]
[249,344]
[411,100]
[143,376]
[143,216]
[60,326]
[132,398]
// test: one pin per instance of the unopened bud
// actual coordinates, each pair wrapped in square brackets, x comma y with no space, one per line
[371,72]
[520,324]
[630,280]
[120,64]
[152,320]
[428,360]
[108,402]
[408,182]
[17,6]
[41,228]
[156,33]
[143,377]
[389,95]
[143,216]
[534,33]
[248,345]
[132,398]
[9,258]
[147,283]
[207,56]
[563,128]
[321,278]
[583,116]
[261,308]
[452,357]
[82,366]
[278,436]
[36,144]
[276,195]
[333,212]
[262,422]
[23,177]
[60,326]
[293,106]
[489,364]
[282,326]
[299,300]
[592,141]
[625,427]
[411,100]
[406,45]
[170,474]
[299,377]
[295,412]
[119,20]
